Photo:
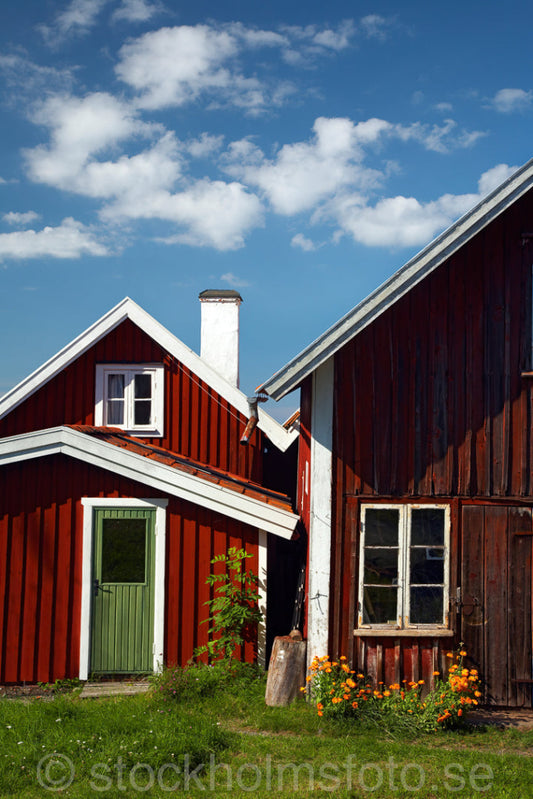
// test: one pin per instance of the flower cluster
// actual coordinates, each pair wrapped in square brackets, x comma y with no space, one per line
[340,691]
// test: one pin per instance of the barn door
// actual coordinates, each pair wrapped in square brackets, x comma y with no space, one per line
[122,627]
[496,586]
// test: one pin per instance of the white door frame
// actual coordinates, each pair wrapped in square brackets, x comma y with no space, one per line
[90,504]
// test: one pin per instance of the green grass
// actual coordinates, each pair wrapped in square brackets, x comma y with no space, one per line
[116,745]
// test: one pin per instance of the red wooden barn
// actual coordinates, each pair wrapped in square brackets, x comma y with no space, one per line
[416,459]
[121,477]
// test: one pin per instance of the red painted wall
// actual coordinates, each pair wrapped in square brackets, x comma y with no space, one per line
[198,422]
[41,520]
[430,403]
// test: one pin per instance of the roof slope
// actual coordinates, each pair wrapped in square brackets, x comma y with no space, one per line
[415,270]
[113,450]
[128,309]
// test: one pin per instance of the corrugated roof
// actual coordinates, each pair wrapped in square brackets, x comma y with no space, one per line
[117,437]
[427,260]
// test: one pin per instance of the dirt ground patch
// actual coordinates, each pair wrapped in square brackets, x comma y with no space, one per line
[506,718]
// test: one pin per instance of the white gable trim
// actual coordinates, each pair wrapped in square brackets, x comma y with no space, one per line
[128,309]
[193,488]
[90,504]
[415,270]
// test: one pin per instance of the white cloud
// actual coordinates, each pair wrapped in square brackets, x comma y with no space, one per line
[136,10]
[79,128]
[439,138]
[404,221]
[234,281]
[20,218]
[205,145]
[375,26]
[506,101]
[212,213]
[494,177]
[32,80]
[444,108]
[305,173]
[70,239]
[399,221]
[172,66]
[76,20]
[301,241]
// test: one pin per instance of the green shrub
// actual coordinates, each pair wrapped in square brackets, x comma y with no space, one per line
[199,680]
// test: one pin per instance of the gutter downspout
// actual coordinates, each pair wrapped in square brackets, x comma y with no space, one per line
[254,417]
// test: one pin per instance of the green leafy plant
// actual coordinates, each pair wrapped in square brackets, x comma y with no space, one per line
[233,611]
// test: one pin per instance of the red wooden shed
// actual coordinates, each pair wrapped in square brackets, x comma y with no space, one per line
[121,477]
[415,464]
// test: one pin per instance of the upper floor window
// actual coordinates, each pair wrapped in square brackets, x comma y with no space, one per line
[130,397]
[404,566]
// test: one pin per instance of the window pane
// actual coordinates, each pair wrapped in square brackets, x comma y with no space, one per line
[142,412]
[115,412]
[143,386]
[115,386]
[381,527]
[427,526]
[379,605]
[123,550]
[381,566]
[426,605]
[427,565]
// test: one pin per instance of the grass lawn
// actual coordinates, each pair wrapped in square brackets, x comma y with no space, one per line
[219,738]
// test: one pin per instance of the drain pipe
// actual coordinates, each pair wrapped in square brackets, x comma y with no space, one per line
[253,419]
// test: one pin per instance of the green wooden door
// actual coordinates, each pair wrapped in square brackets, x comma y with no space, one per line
[122,627]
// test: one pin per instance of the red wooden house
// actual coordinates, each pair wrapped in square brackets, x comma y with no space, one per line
[121,476]
[416,459]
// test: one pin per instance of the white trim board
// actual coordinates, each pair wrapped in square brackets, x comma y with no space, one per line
[193,488]
[426,261]
[128,309]
[320,512]
[91,504]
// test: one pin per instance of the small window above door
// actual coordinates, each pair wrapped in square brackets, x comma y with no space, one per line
[130,397]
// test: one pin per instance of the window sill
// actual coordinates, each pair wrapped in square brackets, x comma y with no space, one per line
[414,632]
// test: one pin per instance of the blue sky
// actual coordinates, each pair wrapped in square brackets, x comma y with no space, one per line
[298,152]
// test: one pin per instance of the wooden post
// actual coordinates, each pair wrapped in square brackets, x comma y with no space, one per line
[286,671]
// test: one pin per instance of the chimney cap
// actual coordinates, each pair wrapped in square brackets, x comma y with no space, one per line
[220,294]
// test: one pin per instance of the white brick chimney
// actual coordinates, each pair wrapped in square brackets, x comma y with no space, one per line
[219,344]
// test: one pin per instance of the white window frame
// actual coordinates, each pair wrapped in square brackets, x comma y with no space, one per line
[404,544]
[157,371]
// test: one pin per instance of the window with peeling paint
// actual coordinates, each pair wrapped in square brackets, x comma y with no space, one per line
[404,571]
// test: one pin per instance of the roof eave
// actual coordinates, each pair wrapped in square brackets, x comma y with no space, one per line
[192,488]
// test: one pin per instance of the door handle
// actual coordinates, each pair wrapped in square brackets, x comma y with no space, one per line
[97,587]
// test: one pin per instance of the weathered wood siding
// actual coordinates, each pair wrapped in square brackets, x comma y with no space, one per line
[41,519]
[198,422]
[430,404]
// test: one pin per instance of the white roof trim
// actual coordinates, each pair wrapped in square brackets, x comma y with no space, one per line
[193,488]
[128,309]
[292,374]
